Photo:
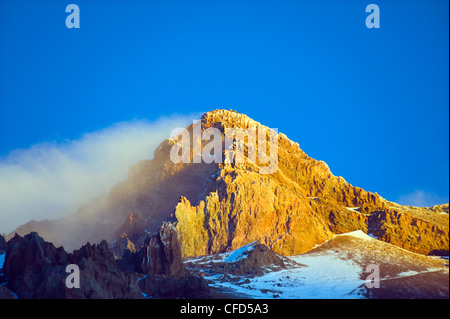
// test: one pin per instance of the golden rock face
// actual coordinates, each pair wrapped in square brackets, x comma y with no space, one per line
[299,206]
[251,207]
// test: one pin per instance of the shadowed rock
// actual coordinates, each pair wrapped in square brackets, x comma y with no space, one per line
[37,269]
[161,263]
[2,244]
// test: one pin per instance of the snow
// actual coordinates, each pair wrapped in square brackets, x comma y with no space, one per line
[239,253]
[372,236]
[407,273]
[358,234]
[318,274]
[2,260]
[353,209]
[327,276]
[324,277]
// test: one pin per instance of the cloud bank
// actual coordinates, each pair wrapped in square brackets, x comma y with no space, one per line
[51,180]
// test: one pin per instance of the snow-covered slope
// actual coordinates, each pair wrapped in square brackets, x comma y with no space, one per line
[335,269]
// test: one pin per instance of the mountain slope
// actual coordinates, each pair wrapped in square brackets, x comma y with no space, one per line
[219,207]
[335,269]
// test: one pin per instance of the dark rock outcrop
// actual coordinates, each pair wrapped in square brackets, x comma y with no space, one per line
[160,254]
[32,267]
[165,253]
[101,277]
[2,244]
[254,260]
[160,262]
[5,293]
[37,269]
[188,286]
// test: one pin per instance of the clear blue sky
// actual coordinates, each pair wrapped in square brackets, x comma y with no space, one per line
[372,103]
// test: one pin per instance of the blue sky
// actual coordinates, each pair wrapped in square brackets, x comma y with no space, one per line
[372,103]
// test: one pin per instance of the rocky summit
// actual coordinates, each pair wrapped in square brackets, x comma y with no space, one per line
[168,211]
[217,207]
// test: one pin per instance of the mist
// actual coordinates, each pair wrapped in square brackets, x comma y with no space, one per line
[421,198]
[52,180]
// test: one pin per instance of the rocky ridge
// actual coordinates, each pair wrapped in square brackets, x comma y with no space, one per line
[220,207]
[36,269]
[299,206]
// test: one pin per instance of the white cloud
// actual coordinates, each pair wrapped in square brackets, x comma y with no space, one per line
[51,180]
[420,198]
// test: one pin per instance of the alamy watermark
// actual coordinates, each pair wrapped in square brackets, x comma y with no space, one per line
[73,279]
[256,144]
[373,19]
[373,279]
[73,19]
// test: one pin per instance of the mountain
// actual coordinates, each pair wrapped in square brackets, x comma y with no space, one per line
[218,206]
[171,227]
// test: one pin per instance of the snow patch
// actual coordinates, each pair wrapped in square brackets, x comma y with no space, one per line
[325,276]
[408,273]
[240,253]
[358,234]
[372,236]
[2,260]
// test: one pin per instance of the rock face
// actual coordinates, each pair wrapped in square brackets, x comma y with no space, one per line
[299,206]
[2,244]
[100,275]
[161,263]
[32,265]
[186,287]
[401,228]
[37,269]
[161,253]
[218,207]
[441,209]
[253,261]
[5,293]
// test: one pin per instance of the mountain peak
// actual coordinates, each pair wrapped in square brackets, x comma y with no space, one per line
[230,117]
[227,205]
